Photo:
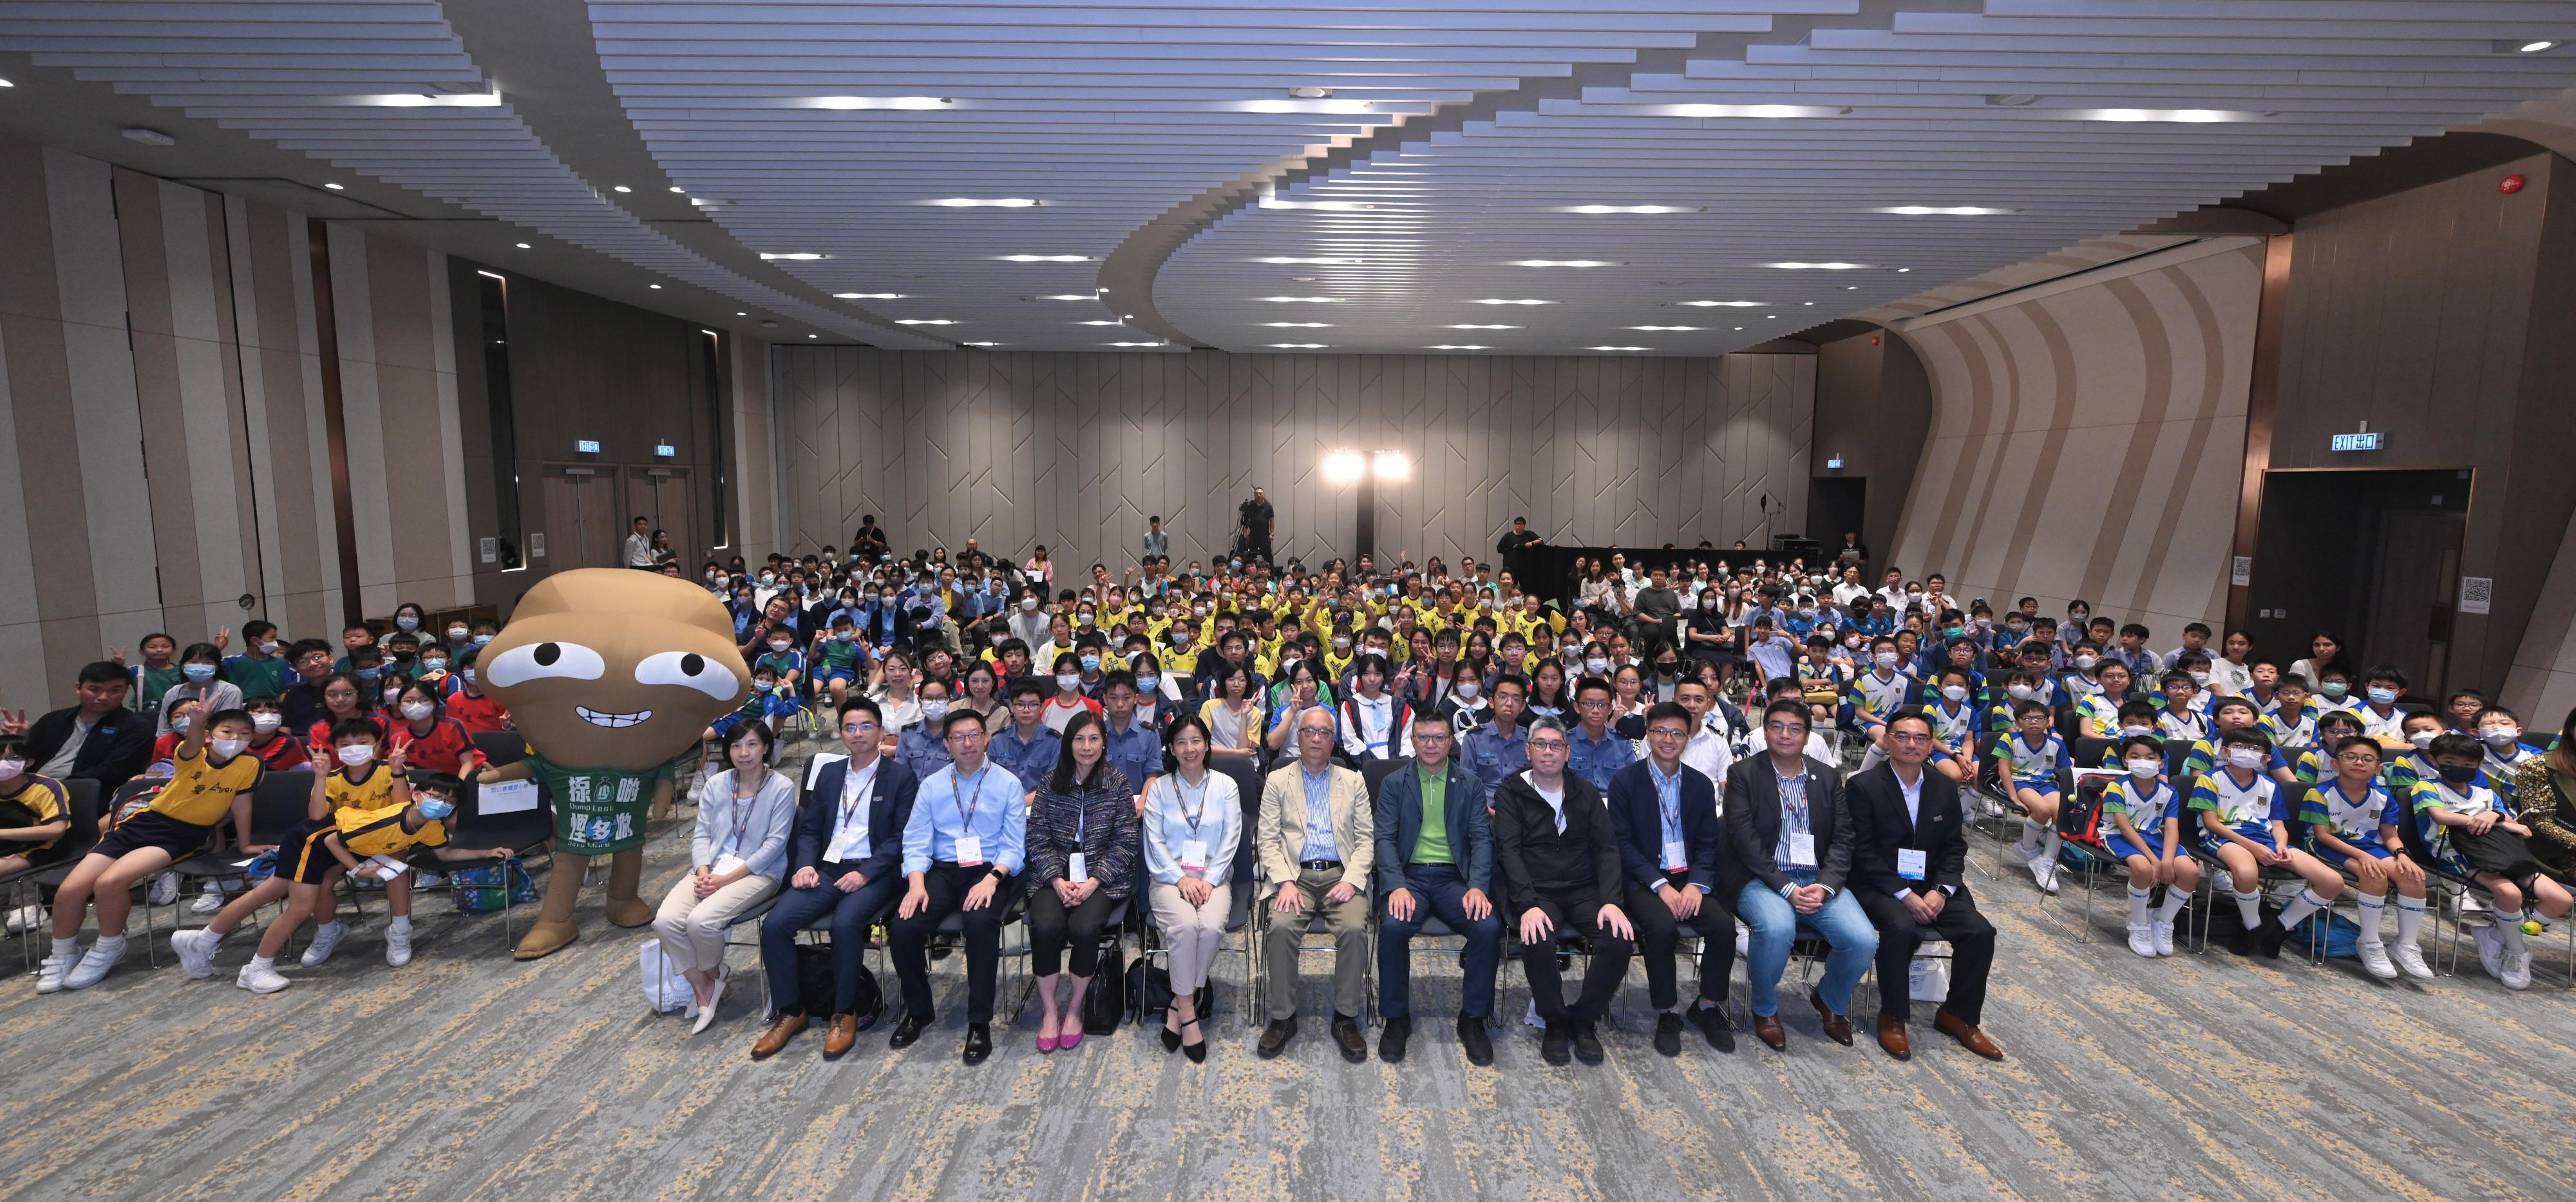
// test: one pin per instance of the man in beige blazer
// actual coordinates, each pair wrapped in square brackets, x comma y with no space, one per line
[1316,838]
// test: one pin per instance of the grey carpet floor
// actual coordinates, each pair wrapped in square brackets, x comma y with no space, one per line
[468,1075]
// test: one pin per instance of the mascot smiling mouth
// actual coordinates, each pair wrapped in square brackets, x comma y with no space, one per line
[603,718]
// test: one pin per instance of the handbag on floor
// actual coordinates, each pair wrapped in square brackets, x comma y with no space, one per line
[1104,1005]
[1151,985]
[815,986]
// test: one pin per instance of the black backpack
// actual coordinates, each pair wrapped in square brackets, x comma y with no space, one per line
[814,983]
[1151,985]
[2080,819]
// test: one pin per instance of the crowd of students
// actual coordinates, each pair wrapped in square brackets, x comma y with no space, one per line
[2206,757]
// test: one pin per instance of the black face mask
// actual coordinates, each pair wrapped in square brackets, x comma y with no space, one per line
[1668,667]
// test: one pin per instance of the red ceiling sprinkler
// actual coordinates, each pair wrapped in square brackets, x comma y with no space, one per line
[2510,185]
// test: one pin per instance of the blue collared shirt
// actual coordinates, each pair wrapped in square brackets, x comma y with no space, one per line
[1029,760]
[1492,757]
[1596,762]
[922,750]
[989,807]
[1794,820]
[1136,751]
[1319,815]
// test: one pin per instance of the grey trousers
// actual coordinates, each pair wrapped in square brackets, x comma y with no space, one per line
[1347,923]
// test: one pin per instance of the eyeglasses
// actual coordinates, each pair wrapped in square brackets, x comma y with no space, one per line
[1659,732]
[1907,736]
[968,734]
[858,728]
[1547,745]
[2356,757]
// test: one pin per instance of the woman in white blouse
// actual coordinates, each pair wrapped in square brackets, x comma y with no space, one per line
[737,855]
[1193,823]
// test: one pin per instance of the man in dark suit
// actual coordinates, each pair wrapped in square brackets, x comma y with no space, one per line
[1788,857]
[1670,844]
[848,847]
[1909,849]
[1441,870]
[1560,865]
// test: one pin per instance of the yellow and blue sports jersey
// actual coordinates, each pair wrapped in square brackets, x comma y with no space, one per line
[1877,697]
[37,801]
[2501,767]
[2312,765]
[374,791]
[1955,726]
[2408,769]
[2099,713]
[2290,732]
[380,832]
[2477,798]
[2378,725]
[2191,725]
[1823,683]
[2248,809]
[2146,812]
[200,793]
[2203,758]
[2034,764]
[2354,820]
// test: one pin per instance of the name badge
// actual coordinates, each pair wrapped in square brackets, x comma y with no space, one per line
[1674,857]
[1077,868]
[1909,863]
[1194,855]
[970,851]
[1802,849]
[851,845]
[727,863]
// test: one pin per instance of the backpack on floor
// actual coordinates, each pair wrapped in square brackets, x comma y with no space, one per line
[1104,1005]
[2343,937]
[1151,985]
[2079,819]
[815,985]
[488,888]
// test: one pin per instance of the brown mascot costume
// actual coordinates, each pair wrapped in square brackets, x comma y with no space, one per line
[611,676]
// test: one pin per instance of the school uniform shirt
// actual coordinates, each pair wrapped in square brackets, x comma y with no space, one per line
[2034,765]
[2190,726]
[2205,756]
[373,791]
[2355,820]
[446,748]
[2249,810]
[2503,766]
[477,712]
[380,832]
[925,750]
[200,792]
[1955,725]
[2478,798]
[33,800]
[320,733]
[2146,810]
[2290,731]
[1709,749]
[1879,694]
[1136,752]
[2379,725]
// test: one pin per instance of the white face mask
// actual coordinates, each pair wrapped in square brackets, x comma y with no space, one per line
[779,644]
[356,753]
[2245,757]
[2021,692]
[2146,769]
[228,748]
[1028,605]
[417,710]
[2200,678]
[1067,684]
[1955,692]
[934,709]
[2087,661]
[1597,666]
[12,769]
[2501,736]
[1467,690]
[2421,738]
[2127,731]
[264,723]
[1885,659]
[456,634]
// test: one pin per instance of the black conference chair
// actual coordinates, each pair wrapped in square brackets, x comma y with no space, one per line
[28,885]
[501,748]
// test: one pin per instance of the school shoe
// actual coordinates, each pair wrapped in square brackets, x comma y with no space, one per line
[1472,1037]
[196,951]
[49,975]
[207,902]
[2163,933]
[26,918]
[397,947]
[2374,959]
[2271,935]
[261,978]
[1557,1046]
[1587,1042]
[2517,969]
[2142,939]
[2410,958]
[93,965]
[1668,1034]
[165,889]
[326,939]
[2491,951]
[2043,871]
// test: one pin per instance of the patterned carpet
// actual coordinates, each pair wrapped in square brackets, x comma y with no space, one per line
[466,1074]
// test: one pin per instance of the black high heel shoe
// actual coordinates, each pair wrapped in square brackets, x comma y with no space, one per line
[1197,1052]
[1171,1037]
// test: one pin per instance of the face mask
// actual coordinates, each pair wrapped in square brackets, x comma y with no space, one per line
[1955,692]
[469,676]
[2334,689]
[934,710]
[2457,774]
[1341,642]
[1235,564]
[264,723]
[2020,692]
[1668,666]
[433,665]
[2087,661]
[456,634]
[2127,731]
[356,753]
[2501,736]
[2200,679]
[228,748]
[713,577]
[768,578]
[435,808]
[370,673]
[1067,684]
[2146,769]
[1082,620]
[407,622]
[2421,738]
[1485,602]
[1952,632]
[1467,690]
[2248,758]
[481,639]
[1597,666]
[12,769]
[180,725]
[2383,696]
[269,647]
[418,710]
[778,644]
[1091,663]
[1884,659]
[2016,629]
[1852,642]
[198,673]
[1145,684]
[1180,638]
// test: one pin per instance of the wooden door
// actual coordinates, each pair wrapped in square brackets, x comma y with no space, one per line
[582,521]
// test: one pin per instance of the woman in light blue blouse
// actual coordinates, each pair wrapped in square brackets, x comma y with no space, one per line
[1193,823]
[737,856]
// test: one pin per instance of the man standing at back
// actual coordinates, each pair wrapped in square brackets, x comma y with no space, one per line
[1317,838]
[639,546]
[1258,519]
[1158,545]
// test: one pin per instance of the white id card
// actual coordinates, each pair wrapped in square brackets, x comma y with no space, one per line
[1802,849]
[1194,855]
[1674,857]
[1077,868]
[970,851]
[851,845]
[727,863]
[1909,863]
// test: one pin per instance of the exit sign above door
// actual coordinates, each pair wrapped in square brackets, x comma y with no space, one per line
[2367,440]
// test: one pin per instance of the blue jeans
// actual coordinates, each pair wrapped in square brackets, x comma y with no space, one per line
[1776,924]
[1438,892]
[850,913]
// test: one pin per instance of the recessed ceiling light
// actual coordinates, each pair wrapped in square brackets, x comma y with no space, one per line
[796,256]
[1727,304]
[621,188]
[1599,209]
[915,103]
[813,335]
[1298,346]
[740,313]
[864,296]
[1851,287]
[1739,329]
[6,84]
[1304,300]
[1299,325]
[2013,100]
[1133,344]
[1903,270]
[1099,323]
[1504,301]
[1663,327]
[981,344]
[1307,106]
[336,187]
[1070,296]
[679,189]
[923,321]
[149,137]
[1562,263]
[1938,211]
[1806,302]
[1771,112]
[2178,116]
[424,100]
[1795,266]
[1044,258]
[522,245]
[1311,93]
[654,287]
[1472,326]
[1301,279]
[1618,348]
[2533,47]
[1326,261]
[969,202]
[1460,346]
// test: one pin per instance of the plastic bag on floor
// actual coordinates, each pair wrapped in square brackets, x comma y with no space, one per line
[665,990]
[1928,980]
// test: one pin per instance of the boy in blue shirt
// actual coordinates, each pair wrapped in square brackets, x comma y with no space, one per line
[2032,757]
[2244,818]
[2351,821]
[2144,811]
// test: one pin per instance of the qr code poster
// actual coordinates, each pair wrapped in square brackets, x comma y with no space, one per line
[2477,593]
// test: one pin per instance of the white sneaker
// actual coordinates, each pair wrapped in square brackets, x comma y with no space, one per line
[2044,871]
[326,939]
[2491,951]
[93,965]
[165,889]
[260,978]
[2374,959]
[206,903]
[2517,969]
[2142,939]
[2029,852]
[2164,937]
[196,951]
[49,975]
[397,947]
[2411,959]
[26,918]
[425,879]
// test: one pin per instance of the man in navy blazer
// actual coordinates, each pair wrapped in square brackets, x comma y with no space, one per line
[1670,846]
[1909,856]
[1449,876]
[844,861]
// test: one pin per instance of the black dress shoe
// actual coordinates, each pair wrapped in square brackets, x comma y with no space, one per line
[1275,1037]
[2243,943]
[1587,1043]
[1471,1036]
[979,1042]
[906,1030]
[1390,1042]
[1713,1023]
[1346,1032]
[1557,1045]
[1668,1033]
[2271,935]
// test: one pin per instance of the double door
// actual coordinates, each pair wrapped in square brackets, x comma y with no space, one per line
[591,507]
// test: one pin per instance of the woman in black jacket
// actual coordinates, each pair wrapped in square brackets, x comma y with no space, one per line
[1082,847]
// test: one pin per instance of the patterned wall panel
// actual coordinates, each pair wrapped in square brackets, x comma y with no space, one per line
[1076,450]
[2089,442]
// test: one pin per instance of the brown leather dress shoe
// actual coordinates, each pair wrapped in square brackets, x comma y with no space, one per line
[840,1036]
[782,1029]
[1969,1037]
[1767,1028]
[1891,1036]
[1837,1026]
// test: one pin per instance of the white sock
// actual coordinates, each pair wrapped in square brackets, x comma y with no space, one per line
[67,947]
[401,922]
[111,944]
[2509,925]
[2138,905]
[2372,909]
[2249,906]
[2305,904]
[2031,833]
[2410,917]
[263,962]
[2175,900]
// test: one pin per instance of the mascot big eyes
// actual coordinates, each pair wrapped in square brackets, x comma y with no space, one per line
[611,676]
